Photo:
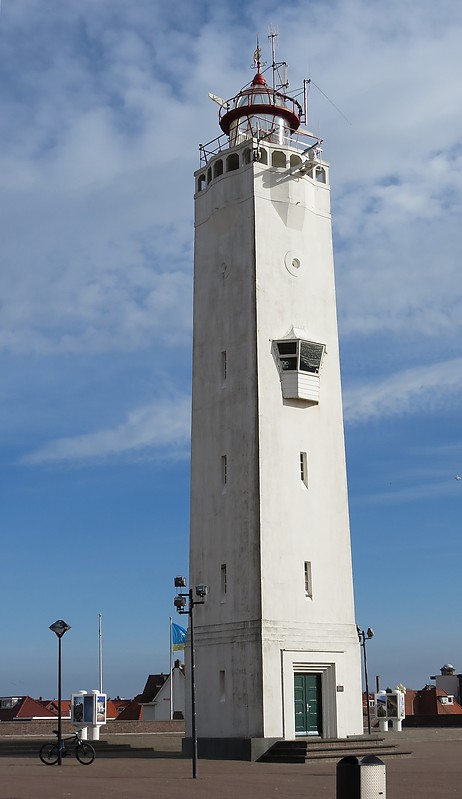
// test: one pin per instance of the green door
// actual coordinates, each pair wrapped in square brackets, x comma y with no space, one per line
[307,695]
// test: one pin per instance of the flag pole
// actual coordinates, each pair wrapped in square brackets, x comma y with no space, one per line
[100,635]
[171,671]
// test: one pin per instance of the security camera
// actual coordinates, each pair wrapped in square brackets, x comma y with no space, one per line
[180,582]
[202,590]
[179,602]
[370,632]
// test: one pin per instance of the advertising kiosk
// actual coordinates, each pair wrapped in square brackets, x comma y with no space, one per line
[88,712]
[389,706]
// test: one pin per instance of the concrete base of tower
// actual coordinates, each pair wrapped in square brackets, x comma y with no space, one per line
[229,748]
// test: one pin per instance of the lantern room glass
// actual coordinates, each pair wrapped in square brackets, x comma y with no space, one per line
[271,128]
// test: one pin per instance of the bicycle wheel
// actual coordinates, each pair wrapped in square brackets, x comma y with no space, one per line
[49,754]
[85,754]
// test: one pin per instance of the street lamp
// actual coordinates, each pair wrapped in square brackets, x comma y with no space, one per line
[184,603]
[59,628]
[363,637]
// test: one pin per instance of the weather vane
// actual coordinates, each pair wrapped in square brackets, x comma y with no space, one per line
[257,64]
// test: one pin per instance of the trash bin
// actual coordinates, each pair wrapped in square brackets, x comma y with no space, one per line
[361,778]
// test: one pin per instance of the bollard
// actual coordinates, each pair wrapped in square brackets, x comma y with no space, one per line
[361,778]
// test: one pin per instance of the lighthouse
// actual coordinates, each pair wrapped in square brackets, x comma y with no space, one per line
[276,647]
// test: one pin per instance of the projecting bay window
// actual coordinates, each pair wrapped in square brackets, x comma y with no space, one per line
[299,365]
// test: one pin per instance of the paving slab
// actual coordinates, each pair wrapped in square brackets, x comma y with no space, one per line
[433,771]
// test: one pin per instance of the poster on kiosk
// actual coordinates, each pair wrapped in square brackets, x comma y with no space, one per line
[101,708]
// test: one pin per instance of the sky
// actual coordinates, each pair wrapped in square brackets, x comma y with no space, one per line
[103,106]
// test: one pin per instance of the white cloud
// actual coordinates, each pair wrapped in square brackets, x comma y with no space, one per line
[101,125]
[417,389]
[419,492]
[162,425]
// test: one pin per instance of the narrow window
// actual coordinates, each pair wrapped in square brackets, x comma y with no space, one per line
[295,160]
[224,470]
[223,367]
[308,581]
[263,156]
[278,158]
[222,685]
[304,468]
[217,168]
[223,579]
[232,162]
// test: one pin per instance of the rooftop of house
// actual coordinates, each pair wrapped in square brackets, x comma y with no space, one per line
[430,701]
[25,707]
[14,708]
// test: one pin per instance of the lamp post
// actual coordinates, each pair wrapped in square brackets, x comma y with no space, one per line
[59,628]
[184,603]
[363,637]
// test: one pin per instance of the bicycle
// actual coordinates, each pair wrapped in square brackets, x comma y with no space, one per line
[84,752]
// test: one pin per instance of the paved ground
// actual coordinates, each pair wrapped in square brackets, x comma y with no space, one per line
[434,770]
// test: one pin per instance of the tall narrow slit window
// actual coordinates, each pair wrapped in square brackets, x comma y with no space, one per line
[224,367]
[223,580]
[308,579]
[304,469]
[224,470]
[222,685]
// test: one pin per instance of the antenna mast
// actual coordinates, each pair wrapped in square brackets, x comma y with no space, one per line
[280,77]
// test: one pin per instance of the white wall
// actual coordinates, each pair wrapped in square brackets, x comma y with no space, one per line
[159,708]
[264,524]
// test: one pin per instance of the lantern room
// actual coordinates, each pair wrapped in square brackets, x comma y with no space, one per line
[261,112]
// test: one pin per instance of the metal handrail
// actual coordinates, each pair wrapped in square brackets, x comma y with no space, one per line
[221,143]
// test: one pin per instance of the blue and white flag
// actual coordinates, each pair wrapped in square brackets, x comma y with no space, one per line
[178,637]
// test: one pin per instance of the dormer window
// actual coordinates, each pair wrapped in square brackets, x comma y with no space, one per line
[300,362]
[446,700]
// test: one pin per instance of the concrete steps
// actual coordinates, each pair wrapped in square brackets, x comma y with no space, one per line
[314,750]
[30,747]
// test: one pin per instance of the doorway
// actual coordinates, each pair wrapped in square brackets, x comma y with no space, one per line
[308,704]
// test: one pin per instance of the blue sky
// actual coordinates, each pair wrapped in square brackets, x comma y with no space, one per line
[103,105]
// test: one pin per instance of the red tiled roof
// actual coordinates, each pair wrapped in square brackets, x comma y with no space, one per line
[453,709]
[52,705]
[25,708]
[133,711]
[112,710]
[426,703]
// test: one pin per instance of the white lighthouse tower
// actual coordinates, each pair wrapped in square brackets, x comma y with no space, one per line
[277,653]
